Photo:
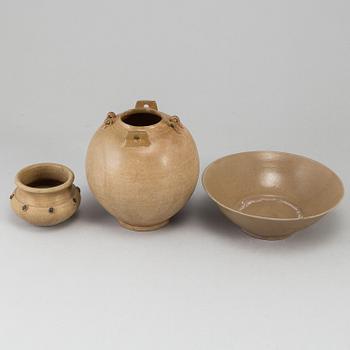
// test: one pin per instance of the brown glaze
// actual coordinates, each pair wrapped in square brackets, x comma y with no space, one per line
[45,194]
[271,195]
[142,166]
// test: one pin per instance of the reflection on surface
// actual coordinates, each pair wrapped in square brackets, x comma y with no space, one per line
[270,178]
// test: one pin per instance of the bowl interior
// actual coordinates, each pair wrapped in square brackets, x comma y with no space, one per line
[273,184]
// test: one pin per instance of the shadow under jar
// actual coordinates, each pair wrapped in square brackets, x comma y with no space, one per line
[45,194]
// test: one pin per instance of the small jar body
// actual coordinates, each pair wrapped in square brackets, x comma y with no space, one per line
[46,209]
[45,194]
[142,175]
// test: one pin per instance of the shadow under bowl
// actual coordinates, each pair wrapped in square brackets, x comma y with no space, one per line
[271,195]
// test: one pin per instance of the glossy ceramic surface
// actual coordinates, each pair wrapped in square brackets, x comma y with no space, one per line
[45,194]
[271,195]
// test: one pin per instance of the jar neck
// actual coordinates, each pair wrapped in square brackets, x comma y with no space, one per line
[141,119]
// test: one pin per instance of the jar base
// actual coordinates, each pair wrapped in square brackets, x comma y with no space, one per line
[143,228]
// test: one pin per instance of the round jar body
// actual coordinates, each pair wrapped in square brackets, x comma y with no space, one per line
[142,166]
[45,194]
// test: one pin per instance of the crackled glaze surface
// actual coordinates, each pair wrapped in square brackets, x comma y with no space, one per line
[142,166]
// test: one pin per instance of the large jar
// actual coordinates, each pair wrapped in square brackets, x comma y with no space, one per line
[142,166]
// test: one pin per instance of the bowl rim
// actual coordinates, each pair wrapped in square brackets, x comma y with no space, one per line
[269,217]
[66,184]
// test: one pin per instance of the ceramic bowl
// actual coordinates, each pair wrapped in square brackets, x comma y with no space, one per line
[45,194]
[271,195]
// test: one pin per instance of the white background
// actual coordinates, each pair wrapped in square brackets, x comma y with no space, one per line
[242,75]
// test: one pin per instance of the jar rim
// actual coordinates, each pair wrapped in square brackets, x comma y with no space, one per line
[35,171]
[151,123]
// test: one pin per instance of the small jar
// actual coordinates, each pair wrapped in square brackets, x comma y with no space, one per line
[45,194]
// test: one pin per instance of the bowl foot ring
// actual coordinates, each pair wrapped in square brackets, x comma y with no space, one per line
[143,228]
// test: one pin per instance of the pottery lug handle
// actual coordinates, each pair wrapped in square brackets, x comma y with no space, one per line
[137,139]
[175,123]
[109,120]
[146,104]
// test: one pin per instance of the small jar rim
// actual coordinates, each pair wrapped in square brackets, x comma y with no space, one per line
[67,183]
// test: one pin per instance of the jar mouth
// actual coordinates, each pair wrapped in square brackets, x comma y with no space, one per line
[44,178]
[141,118]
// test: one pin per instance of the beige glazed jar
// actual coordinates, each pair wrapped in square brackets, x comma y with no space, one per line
[45,194]
[142,166]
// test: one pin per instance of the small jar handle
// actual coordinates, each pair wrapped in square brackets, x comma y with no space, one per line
[146,104]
